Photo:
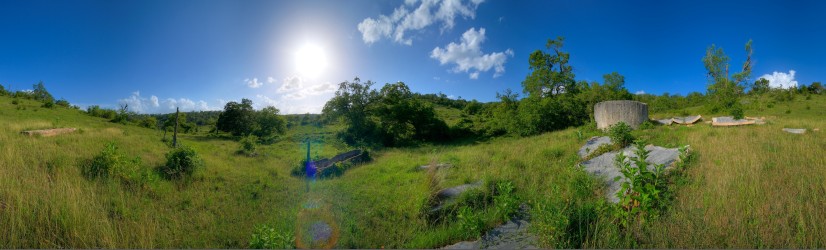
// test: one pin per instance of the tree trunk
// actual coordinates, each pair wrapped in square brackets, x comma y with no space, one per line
[175,134]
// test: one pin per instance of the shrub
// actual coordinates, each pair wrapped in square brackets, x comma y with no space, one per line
[505,201]
[181,162]
[110,163]
[48,104]
[648,125]
[266,237]
[737,112]
[15,102]
[470,223]
[63,103]
[620,134]
[248,145]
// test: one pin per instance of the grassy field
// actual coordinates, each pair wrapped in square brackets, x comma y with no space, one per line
[746,187]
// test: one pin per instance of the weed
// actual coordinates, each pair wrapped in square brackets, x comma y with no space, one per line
[620,134]
[505,201]
[266,237]
[640,193]
[470,223]
[248,145]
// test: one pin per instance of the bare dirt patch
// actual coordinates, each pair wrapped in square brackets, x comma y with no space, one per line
[49,132]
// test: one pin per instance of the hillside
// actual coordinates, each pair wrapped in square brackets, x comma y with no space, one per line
[746,187]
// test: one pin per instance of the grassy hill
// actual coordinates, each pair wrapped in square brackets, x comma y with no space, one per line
[746,187]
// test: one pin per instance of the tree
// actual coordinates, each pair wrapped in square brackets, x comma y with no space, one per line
[270,124]
[760,86]
[237,118]
[816,88]
[551,75]
[351,105]
[3,90]
[723,92]
[148,122]
[39,93]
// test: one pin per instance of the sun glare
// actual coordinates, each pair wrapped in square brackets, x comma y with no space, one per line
[310,60]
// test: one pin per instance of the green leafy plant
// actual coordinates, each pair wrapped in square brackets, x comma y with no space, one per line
[470,223]
[266,237]
[505,201]
[620,134]
[641,194]
[248,145]
[737,112]
[181,162]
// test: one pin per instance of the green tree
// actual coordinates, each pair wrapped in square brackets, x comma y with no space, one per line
[237,118]
[3,90]
[351,105]
[270,123]
[723,91]
[148,122]
[816,88]
[550,73]
[760,86]
[40,93]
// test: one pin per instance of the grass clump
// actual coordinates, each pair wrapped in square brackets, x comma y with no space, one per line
[266,237]
[505,201]
[181,162]
[470,223]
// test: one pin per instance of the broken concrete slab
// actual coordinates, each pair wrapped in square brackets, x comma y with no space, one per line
[49,132]
[730,121]
[603,166]
[513,234]
[687,119]
[795,130]
[447,196]
[593,144]
[437,166]
[666,122]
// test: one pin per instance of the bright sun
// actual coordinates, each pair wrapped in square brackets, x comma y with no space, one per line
[310,60]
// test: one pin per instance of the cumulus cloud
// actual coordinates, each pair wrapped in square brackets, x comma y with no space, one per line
[781,80]
[253,83]
[468,56]
[639,92]
[270,79]
[153,104]
[427,13]
[290,84]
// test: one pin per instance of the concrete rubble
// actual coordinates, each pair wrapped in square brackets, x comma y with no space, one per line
[686,120]
[795,130]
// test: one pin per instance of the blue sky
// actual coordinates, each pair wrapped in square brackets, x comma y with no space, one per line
[155,55]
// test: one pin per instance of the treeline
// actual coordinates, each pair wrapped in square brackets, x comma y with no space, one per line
[38,93]
[551,99]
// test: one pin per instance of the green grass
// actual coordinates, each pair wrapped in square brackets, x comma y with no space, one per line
[747,187]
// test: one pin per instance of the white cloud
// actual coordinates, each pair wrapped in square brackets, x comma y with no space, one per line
[270,79]
[467,55]
[781,80]
[254,83]
[639,92]
[427,13]
[154,100]
[152,105]
[291,83]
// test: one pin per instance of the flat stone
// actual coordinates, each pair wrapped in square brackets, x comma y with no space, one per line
[513,234]
[603,166]
[795,130]
[448,196]
[592,144]
[465,245]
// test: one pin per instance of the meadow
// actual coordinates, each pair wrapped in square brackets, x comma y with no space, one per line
[744,187]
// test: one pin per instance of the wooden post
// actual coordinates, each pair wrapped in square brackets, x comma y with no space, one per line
[175,135]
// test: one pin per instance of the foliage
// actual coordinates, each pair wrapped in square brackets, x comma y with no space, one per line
[40,93]
[148,122]
[97,111]
[470,223]
[3,90]
[48,104]
[248,144]
[269,124]
[63,103]
[620,134]
[181,162]
[392,116]
[109,162]
[760,86]
[237,118]
[736,112]
[505,200]
[266,237]
[723,91]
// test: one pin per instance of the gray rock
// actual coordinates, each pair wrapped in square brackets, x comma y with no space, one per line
[603,166]
[795,130]
[447,196]
[592,144]
[512,235]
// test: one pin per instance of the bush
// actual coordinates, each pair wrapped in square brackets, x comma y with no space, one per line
[470,223]
[506,203]
[620,134]
[110,163]
[266,237]
[15,102]
[181,162]
[737,112]
[48,104]
[63,103]
[248,145]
